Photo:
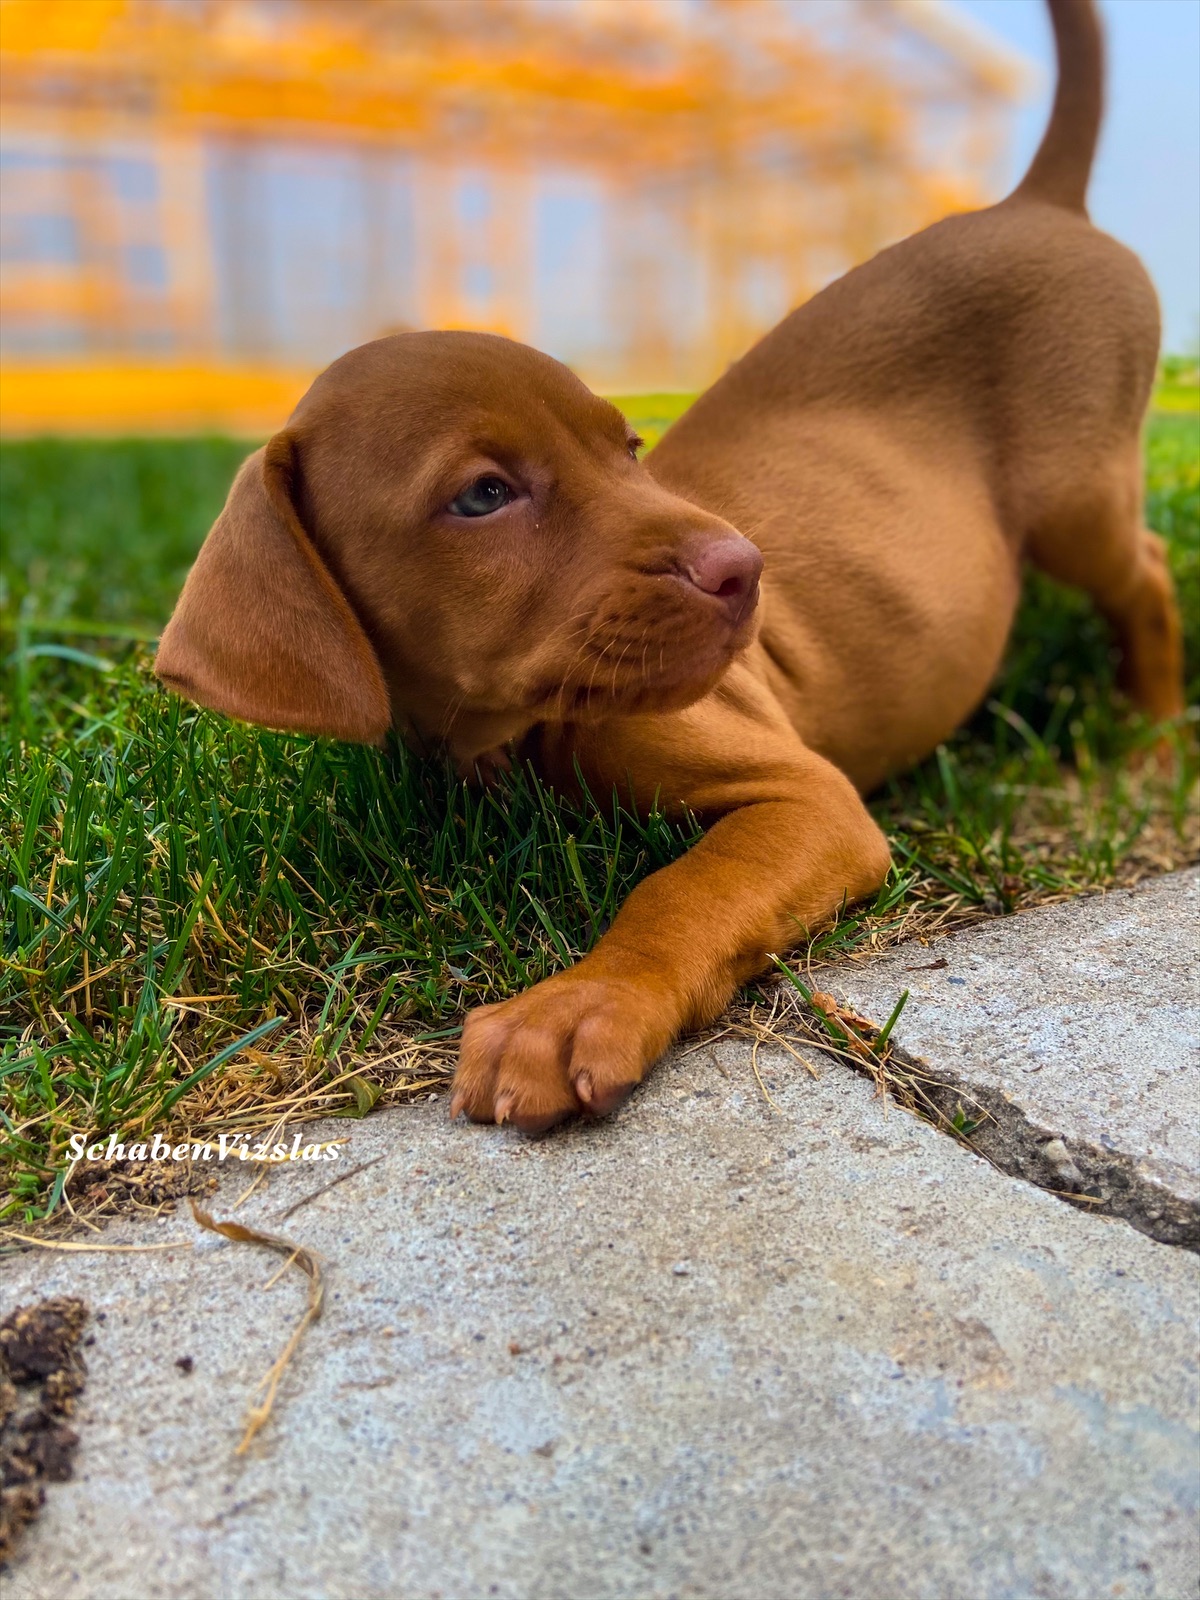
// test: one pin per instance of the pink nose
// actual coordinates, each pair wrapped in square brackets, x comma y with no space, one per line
[729,570]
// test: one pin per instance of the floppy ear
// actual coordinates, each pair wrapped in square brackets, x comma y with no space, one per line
[261,630]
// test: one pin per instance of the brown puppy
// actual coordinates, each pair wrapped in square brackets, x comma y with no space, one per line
[453,535]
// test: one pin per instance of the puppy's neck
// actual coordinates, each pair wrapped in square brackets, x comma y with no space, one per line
[475,741]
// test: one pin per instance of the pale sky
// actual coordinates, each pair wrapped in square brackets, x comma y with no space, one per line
[1146,185]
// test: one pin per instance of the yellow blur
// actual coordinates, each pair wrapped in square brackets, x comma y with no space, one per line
[205,201]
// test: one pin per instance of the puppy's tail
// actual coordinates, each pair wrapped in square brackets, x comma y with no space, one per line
[1060,170]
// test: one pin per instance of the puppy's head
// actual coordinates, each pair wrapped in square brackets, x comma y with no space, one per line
[453,534]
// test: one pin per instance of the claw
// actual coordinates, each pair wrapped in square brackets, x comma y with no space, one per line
[603,1104]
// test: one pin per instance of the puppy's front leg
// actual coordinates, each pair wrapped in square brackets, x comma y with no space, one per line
[791,842]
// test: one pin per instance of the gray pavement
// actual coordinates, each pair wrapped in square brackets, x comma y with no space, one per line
[712,1348]
[1077,1029]
[821,1352]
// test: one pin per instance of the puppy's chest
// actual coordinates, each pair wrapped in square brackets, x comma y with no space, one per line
[875,662]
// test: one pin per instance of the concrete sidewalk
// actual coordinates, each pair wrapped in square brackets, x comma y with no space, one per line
[1076,1029]
[708,1349]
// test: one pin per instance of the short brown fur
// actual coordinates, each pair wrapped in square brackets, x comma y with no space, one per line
[967,400]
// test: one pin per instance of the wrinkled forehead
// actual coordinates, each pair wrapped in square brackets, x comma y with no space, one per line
[417,391]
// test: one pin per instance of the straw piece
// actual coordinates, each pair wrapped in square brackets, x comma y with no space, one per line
[297,1256]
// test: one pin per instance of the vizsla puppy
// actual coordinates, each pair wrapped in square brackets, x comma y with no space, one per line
[452,535]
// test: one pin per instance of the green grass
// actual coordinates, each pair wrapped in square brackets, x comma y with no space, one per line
[209,925]
[1179,386]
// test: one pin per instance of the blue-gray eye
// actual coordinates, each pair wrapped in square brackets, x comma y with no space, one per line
[483,496]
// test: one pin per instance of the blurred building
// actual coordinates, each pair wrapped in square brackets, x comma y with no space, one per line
[204,201]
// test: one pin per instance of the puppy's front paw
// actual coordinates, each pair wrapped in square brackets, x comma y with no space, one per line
[571,1045]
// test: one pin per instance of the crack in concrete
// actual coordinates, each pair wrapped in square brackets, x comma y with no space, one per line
[1106,1183]
[1063,1042]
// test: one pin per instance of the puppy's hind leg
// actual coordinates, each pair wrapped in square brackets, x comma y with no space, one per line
[1145,619]
[1103,549]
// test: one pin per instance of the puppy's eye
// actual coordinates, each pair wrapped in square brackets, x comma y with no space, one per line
[635,444]
[481,497]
